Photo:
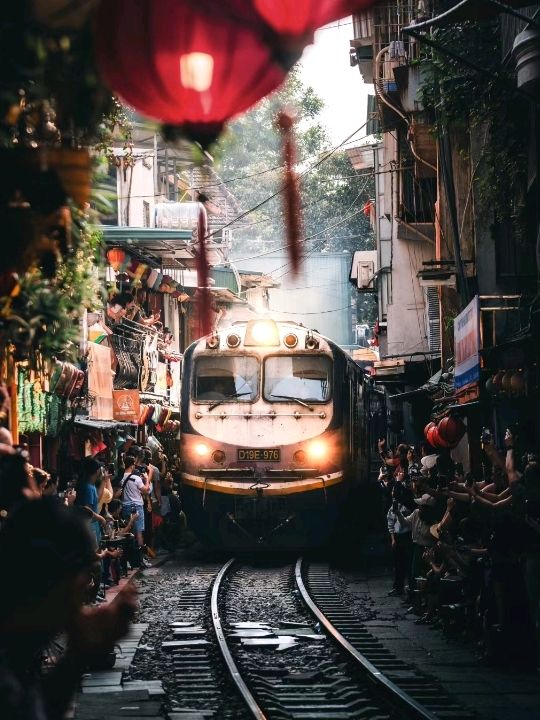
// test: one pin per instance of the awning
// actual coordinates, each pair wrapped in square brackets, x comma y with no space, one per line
[425,389]
[97,424]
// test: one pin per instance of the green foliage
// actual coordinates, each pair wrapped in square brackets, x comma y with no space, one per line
[332,193]
[485,100]
[43,319]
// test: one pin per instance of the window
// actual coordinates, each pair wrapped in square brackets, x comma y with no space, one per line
[305,377]
[232,378]
[146,213]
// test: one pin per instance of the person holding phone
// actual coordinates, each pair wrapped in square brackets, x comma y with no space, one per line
[400,541]
[134,487]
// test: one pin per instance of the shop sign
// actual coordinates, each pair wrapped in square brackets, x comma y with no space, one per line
[467,346]
[126,405]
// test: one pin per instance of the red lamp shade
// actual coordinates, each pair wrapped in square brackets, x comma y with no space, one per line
[428,428]
[303,17]
[191,65]
[116,258]
[451,429]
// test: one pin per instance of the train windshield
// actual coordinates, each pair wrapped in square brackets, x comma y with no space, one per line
[300,377]
[226,379]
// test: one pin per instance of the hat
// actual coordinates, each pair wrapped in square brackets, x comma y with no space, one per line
[425,500]
[429,461]
[90,465]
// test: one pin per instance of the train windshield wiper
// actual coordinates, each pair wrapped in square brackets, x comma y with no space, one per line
[291,397]
[233,396]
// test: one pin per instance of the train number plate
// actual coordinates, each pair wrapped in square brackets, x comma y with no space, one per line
[259,454]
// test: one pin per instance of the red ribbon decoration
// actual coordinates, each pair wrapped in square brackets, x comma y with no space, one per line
[202,273]
[291,191]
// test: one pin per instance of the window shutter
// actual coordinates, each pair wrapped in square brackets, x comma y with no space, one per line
[433,317]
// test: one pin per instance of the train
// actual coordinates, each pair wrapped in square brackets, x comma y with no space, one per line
[274,435]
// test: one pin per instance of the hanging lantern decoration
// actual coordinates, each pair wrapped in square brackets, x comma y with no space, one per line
[428,427]
[497,380]
[116,258]
[517,384]
[490,389]
[300,18]
[506,382]
[194,65]
[435,440]
[451,429]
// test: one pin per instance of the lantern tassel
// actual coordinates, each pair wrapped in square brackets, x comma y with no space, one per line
[291,191]
[202,274]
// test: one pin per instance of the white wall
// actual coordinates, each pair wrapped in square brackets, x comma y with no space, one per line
[135,186]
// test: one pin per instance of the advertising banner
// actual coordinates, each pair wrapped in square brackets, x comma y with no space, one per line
[467,345]
[126,405]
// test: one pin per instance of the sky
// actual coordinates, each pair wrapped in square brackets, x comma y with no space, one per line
[326,67]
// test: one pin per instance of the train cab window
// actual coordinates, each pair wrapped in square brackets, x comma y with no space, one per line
[301,377]
[228,379]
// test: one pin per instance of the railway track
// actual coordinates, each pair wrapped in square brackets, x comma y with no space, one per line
[283,637]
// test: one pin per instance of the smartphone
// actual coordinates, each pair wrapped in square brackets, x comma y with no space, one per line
[395,506]
[110,469]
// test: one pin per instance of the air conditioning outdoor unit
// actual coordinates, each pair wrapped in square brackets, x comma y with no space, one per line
[364,269]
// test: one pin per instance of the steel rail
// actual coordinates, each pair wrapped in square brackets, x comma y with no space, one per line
[406,701]
[232,667]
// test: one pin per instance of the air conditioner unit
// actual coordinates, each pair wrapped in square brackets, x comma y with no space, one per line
[363,270]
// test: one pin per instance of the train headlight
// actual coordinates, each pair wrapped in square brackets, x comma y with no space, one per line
[261,332]
[218,456]
[202,450]
[317,450]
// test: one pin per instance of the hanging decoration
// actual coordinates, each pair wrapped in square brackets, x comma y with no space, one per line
[116,257]
[195,65]
[202,272]
[291,192]
[300,18]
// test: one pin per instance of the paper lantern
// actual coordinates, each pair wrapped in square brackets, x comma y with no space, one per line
[451,429]
[489,386]
[436,440]
[116,258]
[497,380]
[517,383]
[190,65]
[300,18]
[506,382]
[428,428]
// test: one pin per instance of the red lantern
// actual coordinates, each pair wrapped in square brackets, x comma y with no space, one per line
[436,440]
[191,65]
[116,258]
[299,18]
[428,428]
[451,429]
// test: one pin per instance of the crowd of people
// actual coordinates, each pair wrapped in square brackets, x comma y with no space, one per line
[58,551]
[466,549]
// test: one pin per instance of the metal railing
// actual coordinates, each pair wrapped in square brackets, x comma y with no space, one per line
[500,317]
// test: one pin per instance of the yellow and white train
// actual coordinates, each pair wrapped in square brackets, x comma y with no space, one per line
[272,435]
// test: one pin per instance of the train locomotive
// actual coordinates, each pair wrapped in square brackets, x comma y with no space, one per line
[271,436]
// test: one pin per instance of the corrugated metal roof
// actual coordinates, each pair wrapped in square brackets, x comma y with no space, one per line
[225,277]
